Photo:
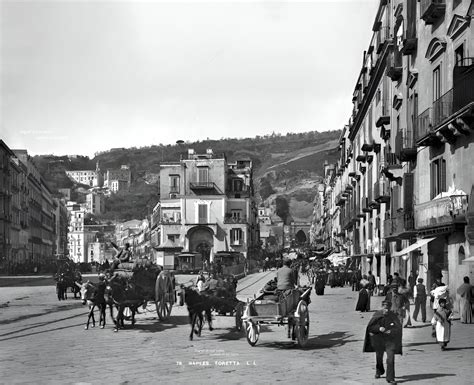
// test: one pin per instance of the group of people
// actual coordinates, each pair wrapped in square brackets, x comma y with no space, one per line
[384,330]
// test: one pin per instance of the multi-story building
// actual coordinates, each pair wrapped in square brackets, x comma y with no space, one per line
[95,203]
[207,205]
[79,237]
[405,169]
[118,179]
[28,220]
[5,206]
[61,223]
[92,178]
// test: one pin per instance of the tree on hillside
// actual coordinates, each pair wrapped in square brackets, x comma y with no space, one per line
[283,209]
[266,189]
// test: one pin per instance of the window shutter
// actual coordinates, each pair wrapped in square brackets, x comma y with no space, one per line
[408,192]
[433,180]
[442,167]
[202,213]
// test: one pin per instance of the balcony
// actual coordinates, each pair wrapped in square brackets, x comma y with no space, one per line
[367,146]
[401,226]
[235,220]
[382,38]
[391,167]
[432,10]
[365,206]
[204,187]
[340,199]
[441,212]
[383,114]
[424,133]
[409,45]
[457,102]
[394,65]
[405,148]
[382,191]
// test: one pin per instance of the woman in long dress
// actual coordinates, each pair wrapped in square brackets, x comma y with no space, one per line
[442,321]
[465,292]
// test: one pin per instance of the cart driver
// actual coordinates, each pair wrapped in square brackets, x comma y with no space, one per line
[286,276]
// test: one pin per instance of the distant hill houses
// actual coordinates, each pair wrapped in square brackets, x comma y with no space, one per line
[113,179]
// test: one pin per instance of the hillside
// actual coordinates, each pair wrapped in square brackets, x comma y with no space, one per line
[287,167]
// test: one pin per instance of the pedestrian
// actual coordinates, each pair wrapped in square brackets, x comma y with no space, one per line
[439,293]
[412,282]
[384,335]
[404,291]
[419,293]
[436,284]
[442,323]
[466,295]
[320,282]
[396,278]
[399,303]
[363,301]
[372,283]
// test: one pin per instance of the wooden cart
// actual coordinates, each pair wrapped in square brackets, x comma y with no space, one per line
[274,308]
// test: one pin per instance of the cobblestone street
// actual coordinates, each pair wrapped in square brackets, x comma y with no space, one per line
[44,342]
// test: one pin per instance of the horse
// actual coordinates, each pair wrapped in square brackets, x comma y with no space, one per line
[65,280]
[124,295]
[92,296]
[199,305]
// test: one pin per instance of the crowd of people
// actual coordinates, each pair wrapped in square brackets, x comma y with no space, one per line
[384,330]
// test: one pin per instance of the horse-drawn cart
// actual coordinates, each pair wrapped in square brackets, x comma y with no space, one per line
[279,308]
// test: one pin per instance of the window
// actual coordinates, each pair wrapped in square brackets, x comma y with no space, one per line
[236,236]
[438,177]
[173,237]
[174,184]
[459,55]
[436,83]
[202,213]
[203,174]
[237,185]
[236,215]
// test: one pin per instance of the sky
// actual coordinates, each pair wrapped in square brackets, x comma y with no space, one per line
[80,77]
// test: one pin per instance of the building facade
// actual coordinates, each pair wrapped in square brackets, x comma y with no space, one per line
[207,205]
[405,171]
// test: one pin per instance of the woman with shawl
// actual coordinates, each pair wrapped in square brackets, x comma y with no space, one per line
[465,292]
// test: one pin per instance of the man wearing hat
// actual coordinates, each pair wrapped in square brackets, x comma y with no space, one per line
[384,335]
[419,293]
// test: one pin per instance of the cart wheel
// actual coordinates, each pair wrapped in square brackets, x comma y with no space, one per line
[164,295]
[253,332]
[302,327]
[238,316]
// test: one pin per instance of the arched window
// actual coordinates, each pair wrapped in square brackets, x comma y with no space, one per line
[461,255]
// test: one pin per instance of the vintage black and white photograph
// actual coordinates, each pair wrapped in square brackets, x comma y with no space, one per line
[236,192]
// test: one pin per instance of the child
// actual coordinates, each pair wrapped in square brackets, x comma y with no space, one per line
[442,321]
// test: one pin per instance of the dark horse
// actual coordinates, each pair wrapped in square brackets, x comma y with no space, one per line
[94,296]
[65,281]
[124,295]
[199,305]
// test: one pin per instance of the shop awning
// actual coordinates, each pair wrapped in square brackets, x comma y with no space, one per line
[415,246]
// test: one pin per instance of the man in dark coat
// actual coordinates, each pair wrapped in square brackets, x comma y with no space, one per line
[384,335]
